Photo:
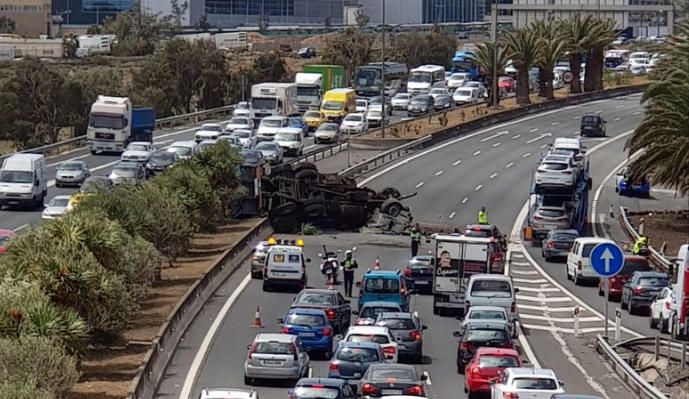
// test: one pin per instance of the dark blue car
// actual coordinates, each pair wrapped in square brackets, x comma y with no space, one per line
[298,122]
[330,388]
[641,188]
[352,359]
[312,327]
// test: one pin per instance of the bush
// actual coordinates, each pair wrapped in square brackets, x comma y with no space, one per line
[23,390]
[219,164]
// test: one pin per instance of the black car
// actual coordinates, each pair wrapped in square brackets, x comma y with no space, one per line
[421,104]
[331,388]
[386,379]
[442,102]
[161,160]
[477,335]
[642,289]
[419,273]
[409,329]
[335,306]
[592,125]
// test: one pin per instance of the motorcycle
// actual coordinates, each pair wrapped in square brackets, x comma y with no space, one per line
[330,265]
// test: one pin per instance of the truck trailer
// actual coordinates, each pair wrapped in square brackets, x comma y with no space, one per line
[316,80]
[274,99]
[114,123]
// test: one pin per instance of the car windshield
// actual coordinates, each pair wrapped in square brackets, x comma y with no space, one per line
[239,121]
[271,122]
[243,105]
[354,118]
[59,202]
[282,136]
[162,157]
[486,315]
[137,147]
[564,236]
[655,281]
[264,103]
[553,166]
[266,146]
[363,355]
[437,91]
[397,324]
[586,250]
[311,320]
[312,114]
[484,336]
[315,393]
[71,166]
[382,285]
[211,128]
[107,121]
[420,77]
[374,101]
[274,348]
[393,374]
[551,213]
[465,93]
[535,383]
[457,77]
[589,119]
[402,96]
[309,298]
[498,361]
[328,127]
[124,171]
[378,339]
[332,105]
[243,135]
[371,312]
[491,288]
[634,265]
[419,100]
[16,176]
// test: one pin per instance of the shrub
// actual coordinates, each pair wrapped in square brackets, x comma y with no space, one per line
[219,164]
[23,390]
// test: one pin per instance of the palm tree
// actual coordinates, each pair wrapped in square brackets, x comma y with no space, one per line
[602,36]
[552,49]
[577,32]
[524,46]
[484,56]
[663,135]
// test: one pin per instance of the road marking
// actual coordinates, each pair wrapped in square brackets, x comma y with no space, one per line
[452,215]
[477,152]
[165,141]
[636,112]
[419,185]
[537,289]
[555,123]
[544,145]
[561,329]
[568,309]
[528,154]
[438,173]
[457,162]
[664,191]
[480,186]
[521,263]
[534,130]
[539,137]
[494,175]
[464,201]
[547,299]
[20,228]
[599,111]
[620,106]
[576,117]
[529,272]
[428,378]
[516,136]
[557,319]
[509,165]
[530,281]
[310,372]
[200,356]
[50,165]
[617,119]
[498,134]
[497,144]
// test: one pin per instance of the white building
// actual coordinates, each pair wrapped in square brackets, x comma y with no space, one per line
[396,11]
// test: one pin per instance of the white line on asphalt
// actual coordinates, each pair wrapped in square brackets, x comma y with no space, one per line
[540,136]
[528,154]
[50,165]
[498,134]
[540,308]
[494,175]
[452,215]
[22,227]
[457,162]
[438,173]
[555,123]
[497,144]
[464,201]
[528,272]
[576,117]
[509,165]
[516,136]
[534,130]
[617,119]
[620,106]
[530,281]
[521,263]
[537,289]
[664,191]
[477,152]
[200,356]
[599,111]
[636,112]
[419,185]
[557,319]
[310,372]
[480,186]
[544,145]
[428,378]
[547,299]
[562,330]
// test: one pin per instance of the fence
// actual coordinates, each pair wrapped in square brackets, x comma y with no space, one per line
[659,261]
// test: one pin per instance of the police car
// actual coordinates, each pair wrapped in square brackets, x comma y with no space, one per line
[285,265]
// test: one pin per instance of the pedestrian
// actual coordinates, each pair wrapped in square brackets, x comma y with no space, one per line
[638,244]
[349,265]
[415,240]
[482,216]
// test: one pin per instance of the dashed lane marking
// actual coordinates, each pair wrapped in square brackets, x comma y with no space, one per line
[534,130]
[617,119]
[516,136]
[494,175]
[555,123]
[537,289]
[509,165]
[477,152]
[480,186]
[419,185]
[438,173]
[559,319]
[464,201]
[457,162]
[497,144]
[496,135]
[636,112]
[452,215]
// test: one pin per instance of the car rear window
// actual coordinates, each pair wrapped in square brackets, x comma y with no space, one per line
[491,286]
[310,320]
[357,355]
[315,299]
[631,266]
[486,315]
[586,251]
[315,393]
[395,374]
[397,324]
[534,383]
[378,339]
[381,285]
[498,361]
[371,312]
[484,336]
[551,213]
[653,281]
[553,166]
[589,119]
[274,348]
[565,236]
[286,258]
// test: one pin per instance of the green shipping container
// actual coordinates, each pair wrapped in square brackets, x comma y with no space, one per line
[333,75]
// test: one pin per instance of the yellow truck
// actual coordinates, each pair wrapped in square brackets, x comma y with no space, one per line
[337,103]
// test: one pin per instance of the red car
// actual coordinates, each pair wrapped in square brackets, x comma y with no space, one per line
[632,263]
[5,236]
[506,83]
[485,367]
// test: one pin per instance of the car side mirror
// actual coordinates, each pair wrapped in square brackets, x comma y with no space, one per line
[248,346]
[339,337]
[562,383]
[424,327]
[423,377]
[356,312]
[455,334]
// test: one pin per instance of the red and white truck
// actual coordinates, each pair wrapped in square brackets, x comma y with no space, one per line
[679,321]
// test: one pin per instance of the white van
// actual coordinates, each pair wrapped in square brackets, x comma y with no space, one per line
[492,290]
[579,259]
[23,180]
[285,265]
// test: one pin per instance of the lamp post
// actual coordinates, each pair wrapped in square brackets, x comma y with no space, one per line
[659,13]
[495,54]
[382,74]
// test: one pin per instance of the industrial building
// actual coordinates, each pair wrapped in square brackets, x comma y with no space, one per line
[89,12]
[32,18]
[423,11]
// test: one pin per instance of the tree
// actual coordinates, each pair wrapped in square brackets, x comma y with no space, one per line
[524,48]
[178,11]
[350,48]
[552,49]
[220,164]
[137,34]
[7,25]
[203,24]
[484,57]
[602,36]
[94,30]
[416,48]
[361,18]
[577,33]
[269,67]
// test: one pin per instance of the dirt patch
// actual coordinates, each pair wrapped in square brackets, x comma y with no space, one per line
[107,372]
[671,227]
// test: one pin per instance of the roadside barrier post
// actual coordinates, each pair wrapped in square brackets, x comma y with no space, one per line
[656,350]
[618,324]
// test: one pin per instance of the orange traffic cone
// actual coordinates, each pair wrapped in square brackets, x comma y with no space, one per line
[256,323]
[376,265]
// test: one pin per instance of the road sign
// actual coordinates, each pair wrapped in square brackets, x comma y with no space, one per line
[607,259]
[568,77]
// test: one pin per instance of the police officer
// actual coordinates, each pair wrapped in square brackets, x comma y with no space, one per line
[415,241]
[482,216]
[349,264]
[638,244]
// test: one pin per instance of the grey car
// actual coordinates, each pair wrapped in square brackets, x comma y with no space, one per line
[161,160]
[71,173]
[641,289]
[327,132]
[370,310]
[275,357]
[258,259]
[545,218]
[409,329]
[95,183]
[271,151]
[352,359]
[558,243]
[487,314]
[443,101]
[392,379]
[127,172]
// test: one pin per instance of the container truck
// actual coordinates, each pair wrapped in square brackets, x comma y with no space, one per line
[274,99]
[316,80]
[114,123]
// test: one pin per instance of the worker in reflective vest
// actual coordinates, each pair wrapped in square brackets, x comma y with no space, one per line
[415,241]
[639,243]
[482,216]
[349,264]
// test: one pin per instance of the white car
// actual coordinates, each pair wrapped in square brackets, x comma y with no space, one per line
[291,139]
[208,131]
[56,207]
[458,79]
[557,171]
[269,126]
[228,393]
[579,259]
[183,149]
[465,95]
[361,105]
[354,123]
[205,144]
[379,335]
[246,138]
[527,382]
[238,122]
[138,151]
[400,101]
[558,80]
[661,310]
[374,117]
[243,109]
[438,91]
[482,92]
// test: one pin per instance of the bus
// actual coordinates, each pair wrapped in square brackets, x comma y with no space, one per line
[422,78]
[463,62]
[367,79]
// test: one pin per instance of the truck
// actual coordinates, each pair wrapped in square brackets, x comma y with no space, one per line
[678,323]
[316,80]
[94,45]
[457,258]
[114,123]
[274,99]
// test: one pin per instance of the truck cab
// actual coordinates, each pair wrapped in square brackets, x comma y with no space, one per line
[308,90]
[114,123]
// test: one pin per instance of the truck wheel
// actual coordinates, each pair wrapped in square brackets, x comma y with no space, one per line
[314,210]
[305,165]
[392,207]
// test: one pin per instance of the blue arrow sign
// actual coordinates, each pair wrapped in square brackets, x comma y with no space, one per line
[607,259]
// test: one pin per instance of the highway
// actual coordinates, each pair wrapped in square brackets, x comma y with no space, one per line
[490,168]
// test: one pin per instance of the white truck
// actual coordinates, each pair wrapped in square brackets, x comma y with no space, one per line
[308,90]
[274,99]
[94,45]
[23,180]
[114,123]
[679,319]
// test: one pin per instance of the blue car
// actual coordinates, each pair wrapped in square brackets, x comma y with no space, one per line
[312,327]
[383,285]
[298,122]
[640,188]
[352,359]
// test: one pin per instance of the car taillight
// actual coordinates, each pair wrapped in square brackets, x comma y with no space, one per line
[464,345]
[549,244]
[579,265]
[510,395]
[668,305]
[333,367]
[407,272]
[327,331]
[415,390]
[475,370]
[415,335]
[330,313]
[284,330]
[541,170]
[638,290]
[251,349]
[389,350]
[368,389]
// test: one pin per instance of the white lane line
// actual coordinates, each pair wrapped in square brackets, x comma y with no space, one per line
[636,112]
[620,106]
[576,117]
[555,123]
[494,175]
[521,263]
[568,309]
[310,372]
[428,378]
[557,319]
[547,299]
[477,152]
[599,112]
[20,228]
[419,185]
[544,145]
[464,201]
[534,130]
[480,186]
[617,119]
[438,173]
[498,134]
[527,272]
[50,165]
[516,136]
[528,154]
[539,137]
[509,165]
[529,281]
[562,330]
[537,289]
[497,144]
[457,162]
[452,215]
[200,356]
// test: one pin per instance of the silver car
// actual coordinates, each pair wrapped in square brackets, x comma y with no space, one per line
[238,122]
[272,152]
[488,314]
[258,259]
[400,101]
[275,357]
[127,172]
[56,207]
[327,132]
[71,173]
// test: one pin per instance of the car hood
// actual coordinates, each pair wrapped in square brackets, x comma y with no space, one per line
[267,153]
[352,123]
[136,153]
[325,133]
[286,143]
[55,210]
[15,187]
[268,130]
[232,126]
[71,173]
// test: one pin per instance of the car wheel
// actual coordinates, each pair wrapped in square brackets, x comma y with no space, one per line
[248,381]
[569,277]
[577,280]
[663,324]
[652,322]
[631,307]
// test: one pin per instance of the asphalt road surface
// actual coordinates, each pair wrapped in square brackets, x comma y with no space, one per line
[490,168]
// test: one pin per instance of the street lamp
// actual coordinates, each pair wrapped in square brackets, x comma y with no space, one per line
[495,54]
[382,74]
[658,14]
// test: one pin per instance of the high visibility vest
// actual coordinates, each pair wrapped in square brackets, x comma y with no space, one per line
[637,245]
[482,218]
[415,236]
[348,264]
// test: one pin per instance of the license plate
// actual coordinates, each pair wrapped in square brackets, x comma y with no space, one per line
[272,362]
[307,334]
[391,391]
[421,282]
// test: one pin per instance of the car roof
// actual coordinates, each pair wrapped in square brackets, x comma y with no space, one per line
[490,276]
[212,124]
[485,351]
[396,315]
[563,231]
[61,197]
[393,366]
[592,240]
[187,143]
[332,382]
[531,371]
[368,330]
[381,303]
[265,337]
[76,161]
[487,325]
[650,274]
[311,311]
[382,273]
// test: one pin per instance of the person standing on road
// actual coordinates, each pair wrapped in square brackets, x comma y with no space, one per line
[482,216]
[415,241]
[349,265]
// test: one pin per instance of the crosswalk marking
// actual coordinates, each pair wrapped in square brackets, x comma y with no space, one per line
[543,299]
[529,272]
[530,281]
[558,319]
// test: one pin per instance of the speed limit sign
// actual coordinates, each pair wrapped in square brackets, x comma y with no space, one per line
[568,77]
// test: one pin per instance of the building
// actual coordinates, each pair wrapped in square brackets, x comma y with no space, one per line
[423,11]
[14,47]
[32,18]
[645,17]
[233,13]
[89,12]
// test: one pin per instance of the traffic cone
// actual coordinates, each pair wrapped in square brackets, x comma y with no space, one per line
[376,265]
[256,323]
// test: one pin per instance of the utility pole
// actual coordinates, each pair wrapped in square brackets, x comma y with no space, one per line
[495,54]
[382,76]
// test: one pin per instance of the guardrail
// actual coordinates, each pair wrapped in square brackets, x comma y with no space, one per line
[660,261]
[321,153]
[383,158]
[169,335]
[630,377]
[168,122]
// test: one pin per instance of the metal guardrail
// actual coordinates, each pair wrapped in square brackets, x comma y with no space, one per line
[630,377]
[660,261]
[168,122]
[383,158]
[320,154]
